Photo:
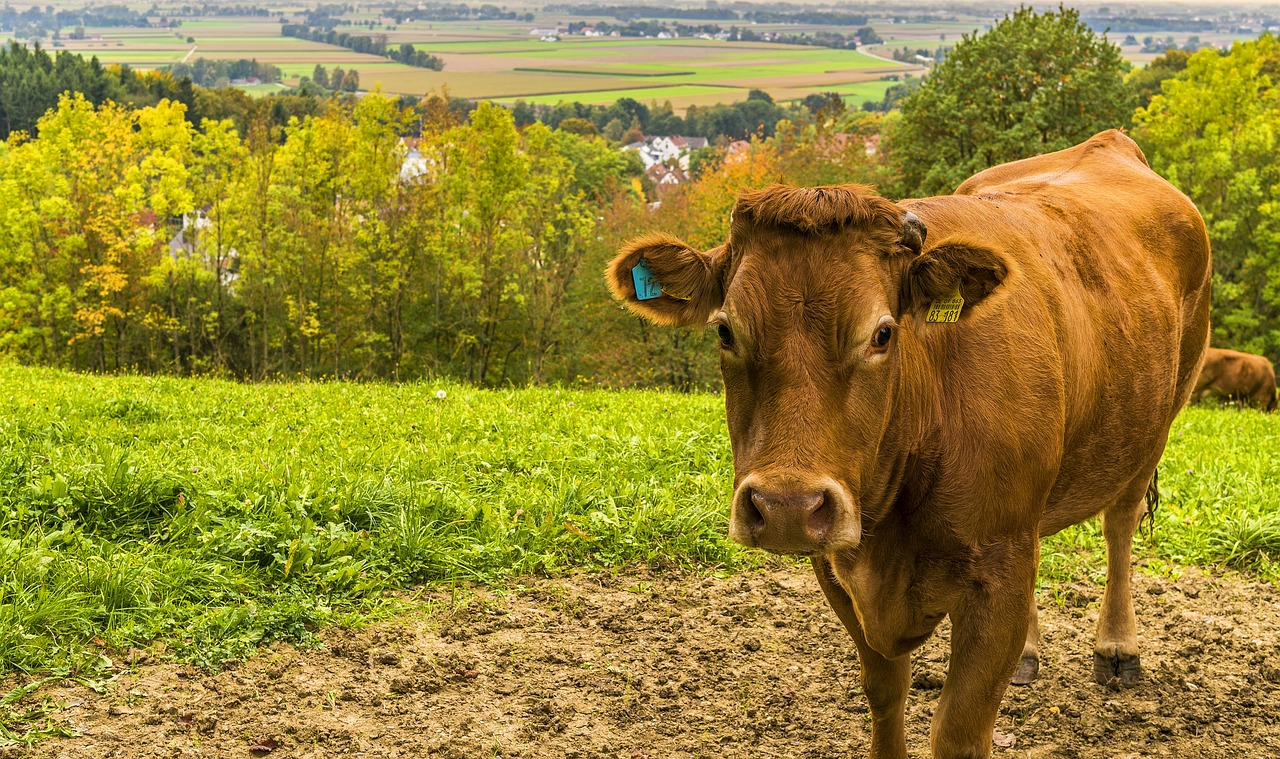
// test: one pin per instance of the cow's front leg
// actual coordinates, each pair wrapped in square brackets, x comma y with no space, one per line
[885,681]
[988,632]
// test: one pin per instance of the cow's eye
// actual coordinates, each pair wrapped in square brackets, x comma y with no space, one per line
[726,337]
[882,337]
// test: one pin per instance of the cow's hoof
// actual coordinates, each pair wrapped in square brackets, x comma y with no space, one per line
[1028,670]
[1125,671]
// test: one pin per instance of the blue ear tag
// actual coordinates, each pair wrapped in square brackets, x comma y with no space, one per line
[647,287]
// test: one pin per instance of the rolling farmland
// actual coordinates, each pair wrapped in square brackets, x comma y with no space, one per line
[501,61]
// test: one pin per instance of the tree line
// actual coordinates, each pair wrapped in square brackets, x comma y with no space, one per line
[219,73]
[627,119]
[362,43]
[36,22]
[31,81]
[714,12]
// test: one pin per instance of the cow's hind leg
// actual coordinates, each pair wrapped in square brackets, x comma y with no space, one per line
[1115,654]
[885,681]
[1029,665]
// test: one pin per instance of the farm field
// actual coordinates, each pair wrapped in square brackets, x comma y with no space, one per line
[499,60]
[192,521]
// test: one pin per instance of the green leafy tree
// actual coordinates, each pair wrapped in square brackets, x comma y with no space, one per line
[1033,83]
[1214,132]
[485,172]
[1146,81]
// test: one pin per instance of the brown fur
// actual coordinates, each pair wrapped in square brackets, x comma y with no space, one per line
[920,473]
[1232,375]
[815,209]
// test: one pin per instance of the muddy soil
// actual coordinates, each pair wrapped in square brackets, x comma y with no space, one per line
[642,665]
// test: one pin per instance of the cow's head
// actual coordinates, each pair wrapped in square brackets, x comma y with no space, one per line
[817,297]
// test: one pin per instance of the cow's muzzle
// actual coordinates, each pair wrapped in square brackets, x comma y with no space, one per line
[786,514]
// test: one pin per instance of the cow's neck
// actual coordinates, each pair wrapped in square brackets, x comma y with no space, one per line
[893,577]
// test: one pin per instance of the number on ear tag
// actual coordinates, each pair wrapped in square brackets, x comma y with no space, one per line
[947,308]
[647,287]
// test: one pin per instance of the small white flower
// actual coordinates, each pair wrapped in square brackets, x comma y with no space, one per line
[440,394]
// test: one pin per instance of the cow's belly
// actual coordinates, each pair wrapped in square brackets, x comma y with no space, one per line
[1114,441]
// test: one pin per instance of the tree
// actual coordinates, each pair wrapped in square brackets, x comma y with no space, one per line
[705,160]
[1145,82]
[559,227]
[481,240]
[1032,84]
[1213,131]
[523,113]
[867,36]
[320,76]
[575,125]
[83,228]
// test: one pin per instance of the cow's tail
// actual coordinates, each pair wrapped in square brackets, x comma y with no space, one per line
[1153,503]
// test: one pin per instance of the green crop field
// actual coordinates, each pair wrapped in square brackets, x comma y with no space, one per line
[212,516]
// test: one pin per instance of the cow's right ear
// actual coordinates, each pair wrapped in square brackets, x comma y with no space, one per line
[668,282]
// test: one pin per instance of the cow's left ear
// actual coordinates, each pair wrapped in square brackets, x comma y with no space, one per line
[666,281]
[935,274]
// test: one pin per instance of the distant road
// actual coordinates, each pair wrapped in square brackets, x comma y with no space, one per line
[870,54]
[188,55]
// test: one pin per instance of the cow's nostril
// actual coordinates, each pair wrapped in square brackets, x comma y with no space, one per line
[821,519]
[752,514]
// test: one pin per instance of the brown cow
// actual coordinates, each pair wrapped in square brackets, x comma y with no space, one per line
[919,461]
[1232,375]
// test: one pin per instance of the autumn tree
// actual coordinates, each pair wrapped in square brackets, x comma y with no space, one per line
[89,202]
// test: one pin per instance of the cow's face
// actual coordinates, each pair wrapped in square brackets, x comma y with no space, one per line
[808,297]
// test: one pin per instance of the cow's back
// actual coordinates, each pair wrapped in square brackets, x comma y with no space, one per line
[1107,297]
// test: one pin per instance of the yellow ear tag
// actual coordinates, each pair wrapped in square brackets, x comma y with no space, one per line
[947,308]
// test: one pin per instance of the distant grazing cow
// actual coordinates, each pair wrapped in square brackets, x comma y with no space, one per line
[915,416]
[1238,376]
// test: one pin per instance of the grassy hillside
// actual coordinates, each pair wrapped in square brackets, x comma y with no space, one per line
[212,516]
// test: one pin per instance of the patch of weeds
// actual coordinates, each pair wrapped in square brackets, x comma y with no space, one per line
[1247,540]
[32,724]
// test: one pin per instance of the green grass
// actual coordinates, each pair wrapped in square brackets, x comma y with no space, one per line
[260,90]
[212,516]
[857,92]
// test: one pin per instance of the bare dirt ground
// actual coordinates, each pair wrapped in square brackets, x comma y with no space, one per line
[641,665]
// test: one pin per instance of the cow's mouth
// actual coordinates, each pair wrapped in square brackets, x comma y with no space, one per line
[793,515]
